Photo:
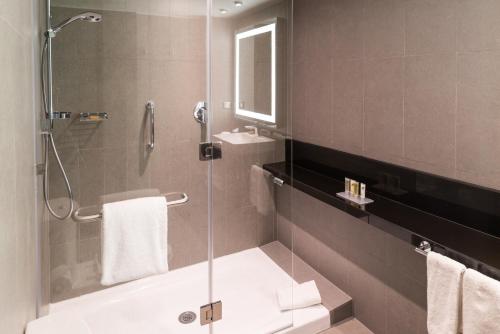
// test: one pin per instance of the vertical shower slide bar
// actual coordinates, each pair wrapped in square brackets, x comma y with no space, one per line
[50,106]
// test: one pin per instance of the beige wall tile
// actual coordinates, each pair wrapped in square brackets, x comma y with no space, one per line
[478,25]
[157,27]
[91,169]
[368,292]
[313,101]
[348,28]
[188,39]
[430,26]
[477,124]
[115,172]
[347,111]
[430,104]
[478,98]
[313,30]
[384,103]
[384,28]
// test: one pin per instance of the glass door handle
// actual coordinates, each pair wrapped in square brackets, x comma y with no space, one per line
[200,112]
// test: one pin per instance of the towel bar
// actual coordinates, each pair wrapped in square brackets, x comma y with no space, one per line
[424,248]
[93,218]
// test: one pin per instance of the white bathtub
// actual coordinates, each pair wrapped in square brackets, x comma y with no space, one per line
[246,283]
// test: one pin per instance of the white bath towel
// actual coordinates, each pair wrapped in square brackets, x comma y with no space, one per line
[134,239]
[481,304]
[444,291]
[300,296]
[261,190]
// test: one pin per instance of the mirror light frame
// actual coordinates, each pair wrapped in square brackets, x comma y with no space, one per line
[248,113]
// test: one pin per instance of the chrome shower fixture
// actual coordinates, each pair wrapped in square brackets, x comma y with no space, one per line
[87,16]
[51,115]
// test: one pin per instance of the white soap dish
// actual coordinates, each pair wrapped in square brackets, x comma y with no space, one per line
[354,199]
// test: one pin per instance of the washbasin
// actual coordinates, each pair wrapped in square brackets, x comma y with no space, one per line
[240,138]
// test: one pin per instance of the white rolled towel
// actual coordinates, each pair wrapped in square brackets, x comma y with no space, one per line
[444,291]
[481,304]
[300,296]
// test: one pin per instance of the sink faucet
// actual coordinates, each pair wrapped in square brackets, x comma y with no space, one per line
[254,128]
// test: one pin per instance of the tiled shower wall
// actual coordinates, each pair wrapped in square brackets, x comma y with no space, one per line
[412,82]
[17,181]
[116,67]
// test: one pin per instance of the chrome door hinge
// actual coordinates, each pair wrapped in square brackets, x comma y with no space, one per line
[210,313]
[210,151]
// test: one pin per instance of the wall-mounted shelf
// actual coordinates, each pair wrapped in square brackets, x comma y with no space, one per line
[93,116]
[459,220]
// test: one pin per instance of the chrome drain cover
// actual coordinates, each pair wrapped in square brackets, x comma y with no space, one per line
[187,317]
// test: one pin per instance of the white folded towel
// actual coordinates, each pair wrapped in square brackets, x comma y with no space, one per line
[481,310]
[261,190]
[134,239]
[300,296]
[444,291]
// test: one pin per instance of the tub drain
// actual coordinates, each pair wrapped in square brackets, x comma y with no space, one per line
[187,317]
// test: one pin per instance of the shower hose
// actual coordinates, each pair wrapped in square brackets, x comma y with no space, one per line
[50,144]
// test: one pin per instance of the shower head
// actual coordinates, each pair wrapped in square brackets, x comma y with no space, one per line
[88,16]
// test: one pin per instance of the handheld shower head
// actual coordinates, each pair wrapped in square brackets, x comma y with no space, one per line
[88,16]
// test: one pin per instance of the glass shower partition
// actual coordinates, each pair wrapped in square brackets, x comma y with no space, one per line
[128,85]
[250,124]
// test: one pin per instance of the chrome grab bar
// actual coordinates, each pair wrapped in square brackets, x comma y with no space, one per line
[150,109]
[94,218]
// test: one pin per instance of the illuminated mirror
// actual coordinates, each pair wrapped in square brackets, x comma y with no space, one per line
[255,81]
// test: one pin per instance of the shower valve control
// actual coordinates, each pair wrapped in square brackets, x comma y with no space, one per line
[210,151]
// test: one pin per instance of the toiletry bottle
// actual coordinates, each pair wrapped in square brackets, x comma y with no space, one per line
[354,188]
[347,187]
[362,190]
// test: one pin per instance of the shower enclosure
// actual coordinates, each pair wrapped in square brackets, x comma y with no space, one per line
[126,87]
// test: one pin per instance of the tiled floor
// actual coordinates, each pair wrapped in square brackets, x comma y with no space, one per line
[349,326]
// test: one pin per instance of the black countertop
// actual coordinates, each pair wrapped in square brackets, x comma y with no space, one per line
[414,207]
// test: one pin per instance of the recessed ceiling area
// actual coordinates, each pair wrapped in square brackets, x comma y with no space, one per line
[233,9]
[221,8]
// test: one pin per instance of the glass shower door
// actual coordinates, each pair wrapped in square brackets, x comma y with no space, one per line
[251,268]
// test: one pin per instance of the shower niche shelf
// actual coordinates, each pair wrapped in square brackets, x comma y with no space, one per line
[461,219]
[93,116]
